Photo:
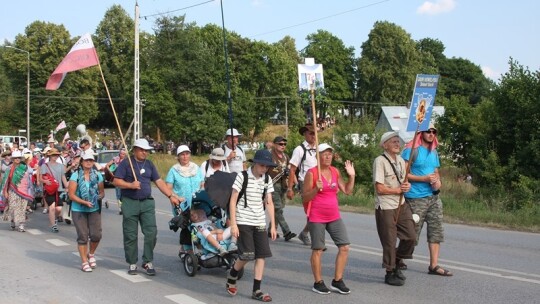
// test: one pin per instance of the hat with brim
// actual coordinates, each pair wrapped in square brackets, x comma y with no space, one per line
[88,154]
[143,144]
[386,136]
[16,154]
[324,147]
[432,126]
[307,127]
[233,131]
[182,149]
[53,151]
[279,139]
[6,153]
[263,157]
[218,154]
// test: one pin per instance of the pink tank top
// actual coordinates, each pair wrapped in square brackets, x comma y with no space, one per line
[324,206]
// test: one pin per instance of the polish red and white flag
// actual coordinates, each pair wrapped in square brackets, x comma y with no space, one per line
[61,126]
[82,55]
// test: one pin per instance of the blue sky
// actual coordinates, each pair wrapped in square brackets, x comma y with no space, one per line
[485,32]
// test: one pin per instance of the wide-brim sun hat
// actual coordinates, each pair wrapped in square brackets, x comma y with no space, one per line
[182,148]
[6,153]
[143,144]
[324,147]
[16,154]
[53,151]
[386,136]
[234,133]
[263,157]
[218,154]
[307,127]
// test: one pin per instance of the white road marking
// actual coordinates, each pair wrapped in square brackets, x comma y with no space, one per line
[473,268]
[132,278]
[57,242]
[182,298]
[34,231]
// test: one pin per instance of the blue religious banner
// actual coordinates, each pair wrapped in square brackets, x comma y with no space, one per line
[423,99]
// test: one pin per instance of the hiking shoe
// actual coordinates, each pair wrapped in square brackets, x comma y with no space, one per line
[304,237]
[392,279]
[149,269]
[340,287]
[320,288]
[54,228]
[289,235]
[132,269]
[399,274]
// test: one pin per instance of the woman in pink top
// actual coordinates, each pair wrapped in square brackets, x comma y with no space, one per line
[322,209]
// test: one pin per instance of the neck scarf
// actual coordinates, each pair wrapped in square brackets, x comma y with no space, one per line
[187,171]
[88,192]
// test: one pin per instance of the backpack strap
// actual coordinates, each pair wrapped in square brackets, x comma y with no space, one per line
[301,164]
[398,176]
[244,188]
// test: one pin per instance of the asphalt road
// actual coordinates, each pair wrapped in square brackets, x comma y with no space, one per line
[490,266]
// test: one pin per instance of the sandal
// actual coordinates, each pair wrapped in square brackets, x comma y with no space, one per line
[86,267]
[92,261]
[231,287]
[260,296]
[435,271]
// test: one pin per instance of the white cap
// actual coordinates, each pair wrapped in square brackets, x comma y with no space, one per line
[234,133]
[37,150]
[16,154]
[386,136]
[26,151]
[88,154]
[324,147]
[182,148]
[143,144]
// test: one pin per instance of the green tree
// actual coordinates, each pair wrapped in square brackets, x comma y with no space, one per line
[462,77]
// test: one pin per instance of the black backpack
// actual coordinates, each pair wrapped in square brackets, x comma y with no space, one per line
[219,188]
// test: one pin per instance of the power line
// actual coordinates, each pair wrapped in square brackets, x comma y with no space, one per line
[323,18]
[176,10]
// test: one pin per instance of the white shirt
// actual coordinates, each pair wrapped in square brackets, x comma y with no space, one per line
[309,162]
[211,171]
[237,163]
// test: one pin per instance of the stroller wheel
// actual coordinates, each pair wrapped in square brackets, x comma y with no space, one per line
[191,264]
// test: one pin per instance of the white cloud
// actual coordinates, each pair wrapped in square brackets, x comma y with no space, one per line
[490,73]
[437,7]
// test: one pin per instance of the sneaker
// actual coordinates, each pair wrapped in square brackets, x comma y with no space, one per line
[320,288]
[222,251]
[54,228]
[149,269]
[392,279]
[21,228]
[45,211]
[132,269]
[304,237]
[232,247]
[289,236]
[340,287]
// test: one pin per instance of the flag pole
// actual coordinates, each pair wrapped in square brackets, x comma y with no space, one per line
[116,119]
[407,171]
[314,123]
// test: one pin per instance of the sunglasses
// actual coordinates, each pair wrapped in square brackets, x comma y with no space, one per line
[282,144]
[434,132]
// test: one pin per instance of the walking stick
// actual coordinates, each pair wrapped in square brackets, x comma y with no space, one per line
[314,123]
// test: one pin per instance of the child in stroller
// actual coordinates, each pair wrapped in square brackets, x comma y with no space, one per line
[208,233]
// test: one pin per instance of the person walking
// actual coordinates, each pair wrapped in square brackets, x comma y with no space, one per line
[393,220]
[279,175]
[56,172]
[85,189]
[18,189]
[183,180]
[322,208]
[138,205]
[424,194]
[304,157]
[235,155]
[248,223]
[215,162]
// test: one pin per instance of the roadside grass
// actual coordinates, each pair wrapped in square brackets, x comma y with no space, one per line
[462,202]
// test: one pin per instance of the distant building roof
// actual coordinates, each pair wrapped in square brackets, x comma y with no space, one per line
[394,118]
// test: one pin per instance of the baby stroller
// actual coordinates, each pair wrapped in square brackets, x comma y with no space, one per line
[204,254]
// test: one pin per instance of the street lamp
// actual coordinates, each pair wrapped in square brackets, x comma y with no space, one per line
[27,92]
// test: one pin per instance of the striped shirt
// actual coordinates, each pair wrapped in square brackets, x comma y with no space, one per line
[253,214]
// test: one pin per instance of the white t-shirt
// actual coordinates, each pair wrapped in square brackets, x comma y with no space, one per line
[236,164]
[211,171]
[309,162]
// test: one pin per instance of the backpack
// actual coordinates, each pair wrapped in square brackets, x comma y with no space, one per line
[297,173]
[52,187]
[219,188]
